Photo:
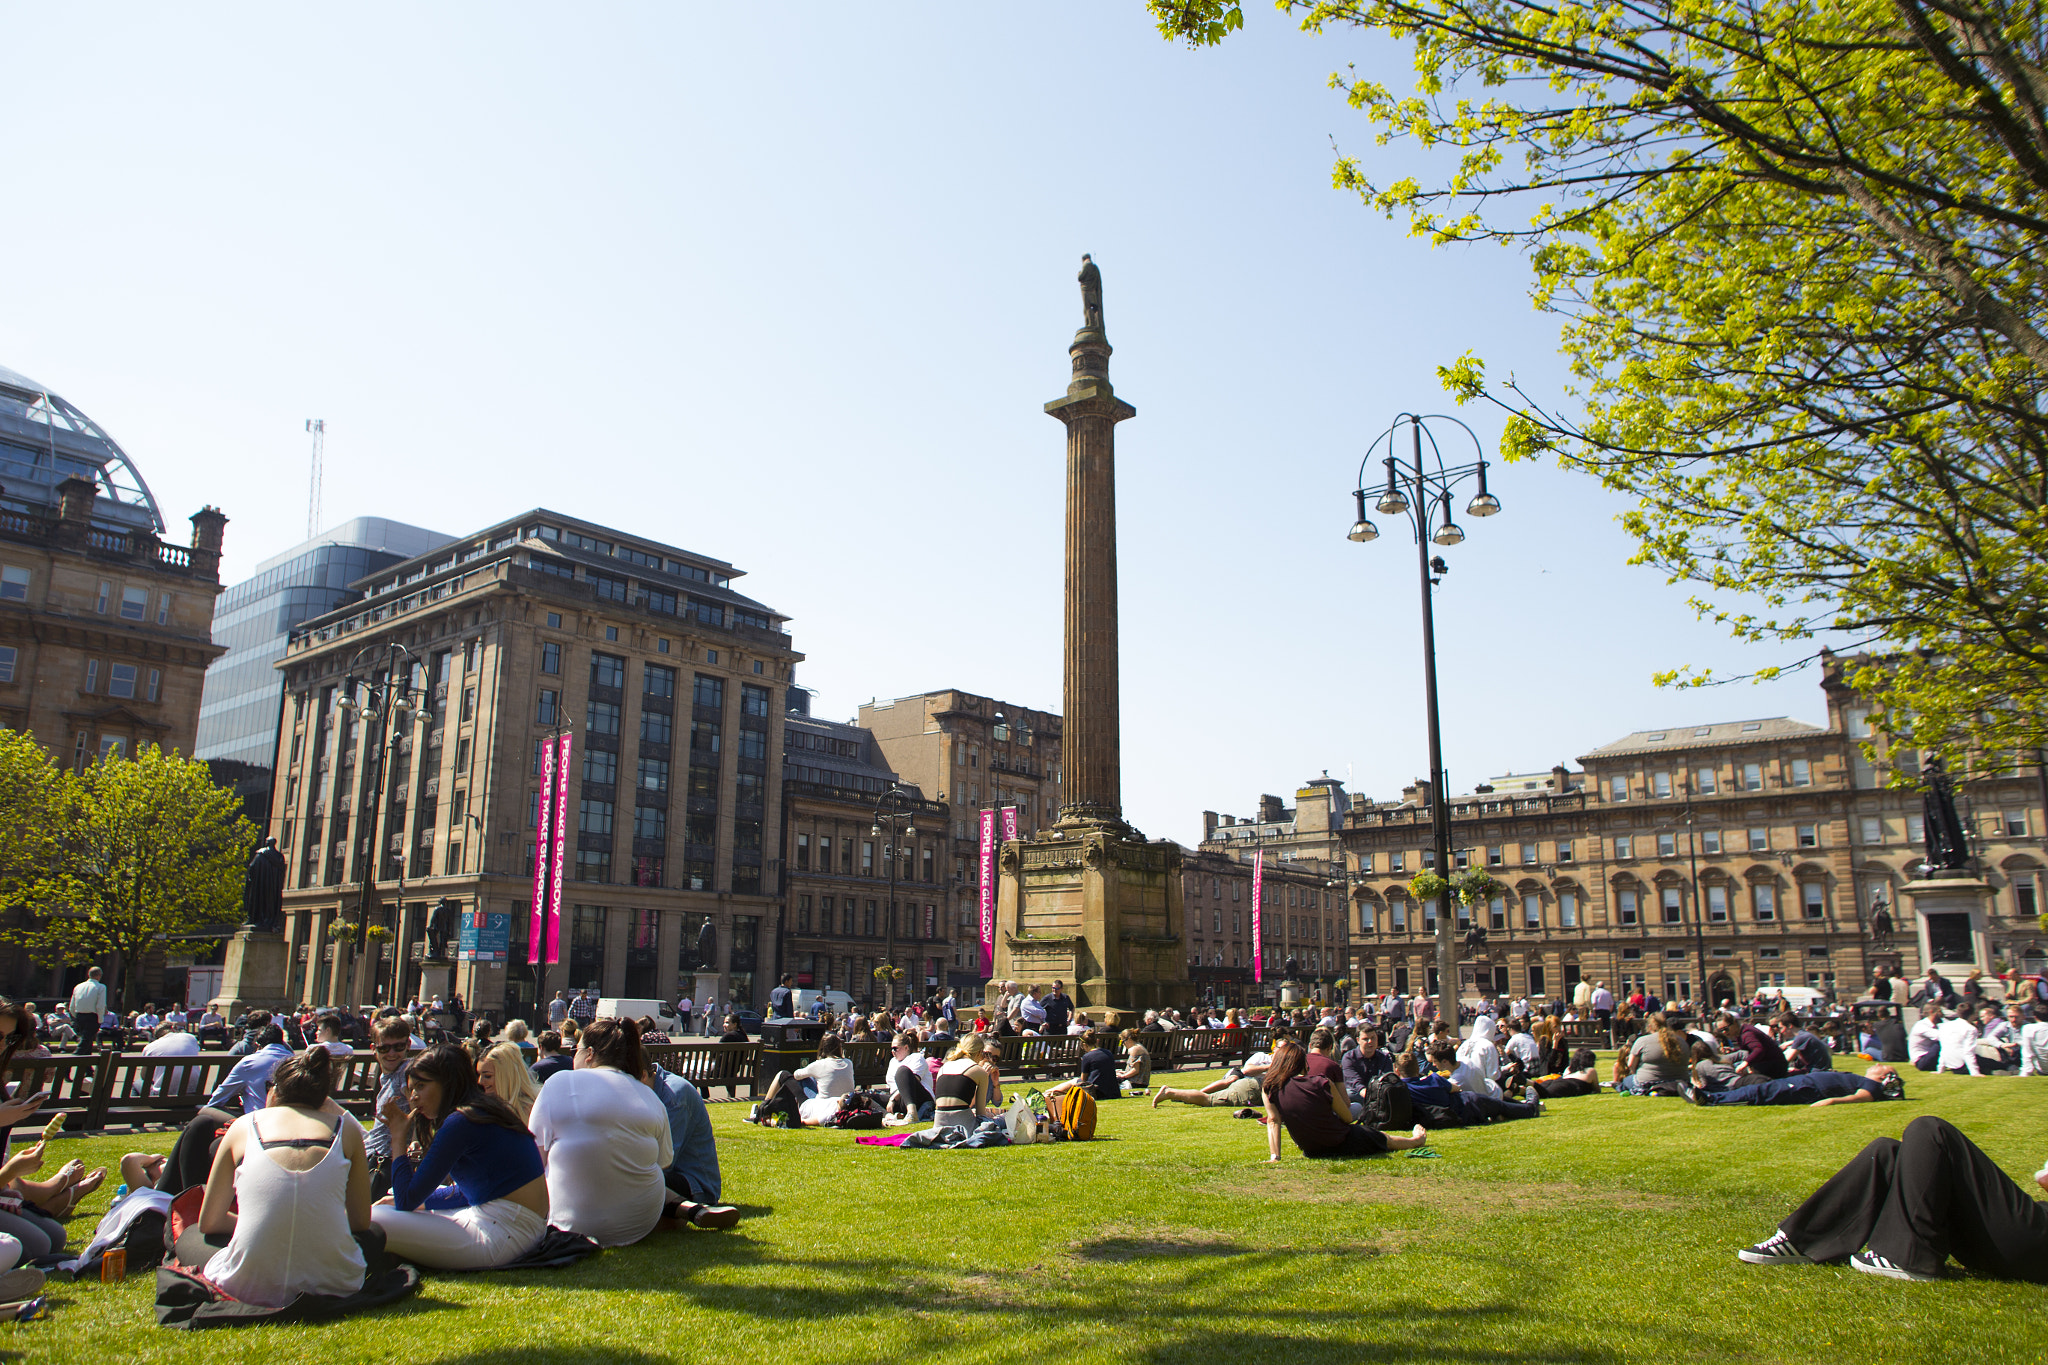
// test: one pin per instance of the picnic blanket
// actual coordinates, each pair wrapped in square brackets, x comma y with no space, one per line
[185,1299]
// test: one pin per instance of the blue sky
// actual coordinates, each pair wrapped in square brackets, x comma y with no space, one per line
[791,287]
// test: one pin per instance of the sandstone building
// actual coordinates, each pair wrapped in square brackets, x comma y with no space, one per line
[105,627]
[838,911]
[1741,854]
[969,753]
[672,685]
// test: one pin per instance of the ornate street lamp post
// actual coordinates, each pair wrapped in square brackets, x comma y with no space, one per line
[390,700]
[895,814]
[1423,494]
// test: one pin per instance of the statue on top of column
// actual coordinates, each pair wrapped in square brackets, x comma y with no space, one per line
[1091,294]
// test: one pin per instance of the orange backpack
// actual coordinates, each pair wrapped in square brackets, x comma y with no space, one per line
[1073,1115]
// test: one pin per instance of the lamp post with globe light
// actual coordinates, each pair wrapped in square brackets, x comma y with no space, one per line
[1423,495]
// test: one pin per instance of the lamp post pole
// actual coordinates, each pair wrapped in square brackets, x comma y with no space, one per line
[1424,496]
[393,705]
[890,821]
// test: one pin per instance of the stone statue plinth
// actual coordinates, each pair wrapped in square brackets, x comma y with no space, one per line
[1102,911]
[1951,917]
[255,972]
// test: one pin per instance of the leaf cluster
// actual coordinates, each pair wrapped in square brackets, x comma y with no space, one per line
[1797,253]
[113,859]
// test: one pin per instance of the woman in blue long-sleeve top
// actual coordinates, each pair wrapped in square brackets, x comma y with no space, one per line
[499,1210]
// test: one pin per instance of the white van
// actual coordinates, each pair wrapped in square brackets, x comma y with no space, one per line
[810,1002]
[662,1013]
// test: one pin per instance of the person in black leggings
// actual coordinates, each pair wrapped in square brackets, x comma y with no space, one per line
[1903,1206]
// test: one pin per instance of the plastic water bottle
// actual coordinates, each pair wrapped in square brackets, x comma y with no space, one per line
[120,1192]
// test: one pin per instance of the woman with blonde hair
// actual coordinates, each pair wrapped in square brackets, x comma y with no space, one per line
[503,1072]
[964,1090]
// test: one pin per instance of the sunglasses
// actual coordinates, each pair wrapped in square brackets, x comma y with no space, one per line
[393,1047]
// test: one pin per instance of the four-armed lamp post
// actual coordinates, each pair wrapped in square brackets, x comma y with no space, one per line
[1424,495]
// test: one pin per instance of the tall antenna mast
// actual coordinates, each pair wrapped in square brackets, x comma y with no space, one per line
[318,426]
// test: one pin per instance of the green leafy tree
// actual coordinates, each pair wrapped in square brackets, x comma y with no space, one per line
[30,782]
[1798,256]
[140,848]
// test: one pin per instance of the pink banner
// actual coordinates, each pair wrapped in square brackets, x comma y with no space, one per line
[543,851]
[561,854]
[1009,823]
[1258,918]
[988,893]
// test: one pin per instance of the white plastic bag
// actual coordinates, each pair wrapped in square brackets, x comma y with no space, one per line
[1022,1123]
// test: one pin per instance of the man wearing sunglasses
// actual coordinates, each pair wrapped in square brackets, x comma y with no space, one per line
[394,1049]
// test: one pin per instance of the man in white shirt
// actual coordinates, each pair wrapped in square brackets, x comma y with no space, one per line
[88,1003]
[149,1018]
[1603,1003]
[683,1014]
[2034,1043]
[176,1017]
[1958,1045]
[173,1042]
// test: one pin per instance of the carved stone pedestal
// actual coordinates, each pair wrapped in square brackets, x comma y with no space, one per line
[1951,914]
[255,973]
[1087,904]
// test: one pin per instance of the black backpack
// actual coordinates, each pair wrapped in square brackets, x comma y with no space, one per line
[1388,1106]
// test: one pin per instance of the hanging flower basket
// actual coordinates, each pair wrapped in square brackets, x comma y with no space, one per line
[377,931]
[341,928]
[1476,885]
[1427,887]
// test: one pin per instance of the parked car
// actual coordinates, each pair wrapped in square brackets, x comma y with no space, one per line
[749,1019]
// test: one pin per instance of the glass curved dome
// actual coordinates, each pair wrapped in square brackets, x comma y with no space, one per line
[45,440]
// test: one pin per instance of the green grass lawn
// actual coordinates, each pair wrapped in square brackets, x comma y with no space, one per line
[1604,1231]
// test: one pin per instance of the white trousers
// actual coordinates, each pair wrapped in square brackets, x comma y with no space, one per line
[461,1239]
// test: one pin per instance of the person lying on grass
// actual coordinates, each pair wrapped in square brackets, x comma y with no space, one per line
[1581,1076]
[1901,1207]
[1812,1088]
[1316,1115]
[1237,1089]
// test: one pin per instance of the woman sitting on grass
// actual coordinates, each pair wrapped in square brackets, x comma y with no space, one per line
[454,1130]
[503,1072]
[1137,1068]
[289,1196]
[965,1088]
[605,1139]
[1316,1114]
[1656,1062]
[809,1095]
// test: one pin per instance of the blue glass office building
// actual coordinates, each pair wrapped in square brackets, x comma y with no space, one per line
[238,712]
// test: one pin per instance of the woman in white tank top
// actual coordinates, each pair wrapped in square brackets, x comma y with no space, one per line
[290,1187]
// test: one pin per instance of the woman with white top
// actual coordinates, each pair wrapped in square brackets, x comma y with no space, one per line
[289,1195]
[830,1077]
[605,1139]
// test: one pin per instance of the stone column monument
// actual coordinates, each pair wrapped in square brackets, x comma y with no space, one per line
[1089,901]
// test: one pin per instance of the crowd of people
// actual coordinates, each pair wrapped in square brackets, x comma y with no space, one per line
[484,1141]
[479,1148]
